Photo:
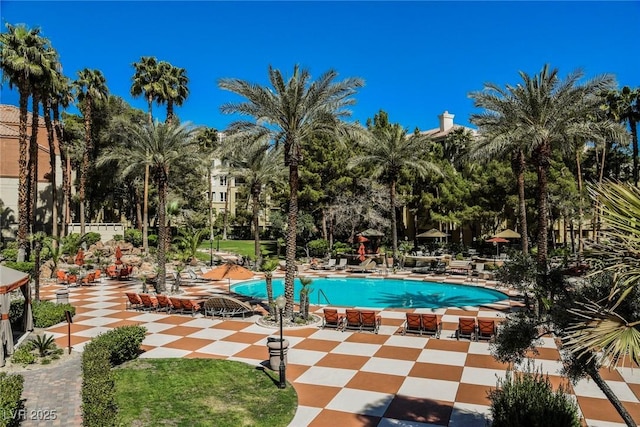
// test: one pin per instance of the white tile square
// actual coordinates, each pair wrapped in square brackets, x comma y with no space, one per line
[388,366]
[319,375]
[360,402]
[304,357]
[469,415]
[223,348]
[97,321]
[304,415]
[390,422]
[157,340]
[426,388]
[93,332]
[409,341]
[479,348]
[148,317]
[630,375]
[588,388]
[213,334]
[102,312]
[442,357]
[329,335]
[199,322]
[481,376]
[157,327]
[356,349]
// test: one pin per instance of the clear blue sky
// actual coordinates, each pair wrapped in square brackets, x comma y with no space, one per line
[417,58]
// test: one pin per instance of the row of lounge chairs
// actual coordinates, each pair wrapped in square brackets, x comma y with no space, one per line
[121,273]
[361,320]
[69,279]
[159,302]
[475,329]
[427,323]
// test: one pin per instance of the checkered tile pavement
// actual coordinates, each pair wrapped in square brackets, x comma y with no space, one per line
[348,378]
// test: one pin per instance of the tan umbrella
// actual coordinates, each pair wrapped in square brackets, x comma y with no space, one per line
[369,232]
[10,279]
[508,234]
[433,233]
[229,271]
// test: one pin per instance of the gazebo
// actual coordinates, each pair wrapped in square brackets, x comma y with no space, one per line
[10,280]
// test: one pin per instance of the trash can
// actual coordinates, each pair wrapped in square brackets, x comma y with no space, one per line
[62,296]
[273,344]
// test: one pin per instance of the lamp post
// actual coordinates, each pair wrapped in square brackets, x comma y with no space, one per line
[280,303]
[211,248]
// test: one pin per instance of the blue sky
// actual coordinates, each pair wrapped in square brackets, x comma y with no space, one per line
[417,58]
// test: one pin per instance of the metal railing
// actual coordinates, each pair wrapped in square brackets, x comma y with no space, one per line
[321,292]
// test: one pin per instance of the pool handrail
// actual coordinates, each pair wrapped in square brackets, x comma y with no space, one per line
[320,291]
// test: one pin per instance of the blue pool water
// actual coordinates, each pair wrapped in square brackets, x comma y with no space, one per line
[379,293]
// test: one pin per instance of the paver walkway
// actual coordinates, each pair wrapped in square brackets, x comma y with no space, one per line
[52,395]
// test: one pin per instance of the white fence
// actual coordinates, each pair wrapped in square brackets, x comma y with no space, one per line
[106,230]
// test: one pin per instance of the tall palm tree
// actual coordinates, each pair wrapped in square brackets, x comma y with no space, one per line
[161,147]
[388,152]
[90,88]
[496,127]
[21,60]
[290,112]
[175,90]
[258,165]
[624,106]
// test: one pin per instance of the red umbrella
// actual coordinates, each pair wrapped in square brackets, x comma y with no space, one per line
[80,257]
[495,241]
[118,255]
[361,251]
[361,239]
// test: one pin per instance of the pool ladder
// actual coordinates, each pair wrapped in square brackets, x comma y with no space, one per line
[321,292]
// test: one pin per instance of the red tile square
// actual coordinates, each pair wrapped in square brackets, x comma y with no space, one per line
[415,409]
[381,383]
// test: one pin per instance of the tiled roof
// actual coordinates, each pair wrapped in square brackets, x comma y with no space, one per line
[437,133]
[8,131]
[11,114]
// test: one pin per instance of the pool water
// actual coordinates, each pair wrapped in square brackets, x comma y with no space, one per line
[379,293]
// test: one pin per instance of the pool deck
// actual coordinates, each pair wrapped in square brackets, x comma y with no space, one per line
[349,378]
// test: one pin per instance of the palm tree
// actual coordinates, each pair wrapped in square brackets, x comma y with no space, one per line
[290,113]
[388,151]
[21,60]
[268,267]
[161,147]
[175,90]
[90,88]
[258,165]
[624,106]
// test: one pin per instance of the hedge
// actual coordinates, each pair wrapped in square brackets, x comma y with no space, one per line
[98,388]
[45,313]
[10,399]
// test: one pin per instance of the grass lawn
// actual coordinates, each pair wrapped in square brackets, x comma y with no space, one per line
[200,392]
[242,247]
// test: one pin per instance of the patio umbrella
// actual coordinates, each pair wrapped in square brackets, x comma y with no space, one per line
[496,241]
[433,233]
[508,234]
[118,255]
[80,257]
[361,239]
[229,271]
[361,252]
[369,232]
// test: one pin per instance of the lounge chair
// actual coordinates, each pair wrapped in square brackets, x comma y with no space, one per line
[466,328]
[431,324]
[124,273]
[486,329]
[332,319]
[369,321]
[413,323]
[177,304]
[133,301]
[214,307]
[89,278]
[342,264]
[62,278]
[112,272]
[459,267]
[190,306]
[97,275]
[164,303]
[352,319]
[330,265]
[232,306]
[365,266]
[148,302]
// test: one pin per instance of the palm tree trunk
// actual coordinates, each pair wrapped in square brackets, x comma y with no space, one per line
[542,166]
[268,277]
[145,203]
[85,164]
[634,142]
[162,228]
[394,230]
[169,112]
[522,203]
[596,207]
[617,404]
[66,182]
[52,164]
[23,184]
[33,159]
[290,256]
[255,194]
[580,208]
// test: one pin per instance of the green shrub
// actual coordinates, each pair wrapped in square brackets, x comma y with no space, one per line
[71,243]
[10,253]
[123,343]
[152,239]
[341,248]
[23,356]
[318,248]
[47,313]
[25,267]
[98,389]
[92,238]
[45,344]
[118,237]
[11,387]
[527,399]
[133,236]
[15,313]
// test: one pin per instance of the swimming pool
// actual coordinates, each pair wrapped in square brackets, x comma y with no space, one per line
[379,293]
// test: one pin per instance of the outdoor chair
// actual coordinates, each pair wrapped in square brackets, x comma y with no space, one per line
[352,319]
[133,301]
[148,302]
[164,303]
[190,306]
[431,324]
[112,272]
[466,328]
[89,278]
[177,304]
[342,264]
[365,266]
[486,329]
[413,323]
[214,307]
[330,265]
[225,305]
[98,273]
[61,278]
[369,321]
[332,319]
[124,273]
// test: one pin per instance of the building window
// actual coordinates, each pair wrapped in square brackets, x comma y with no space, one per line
[223,180]
[223,197]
